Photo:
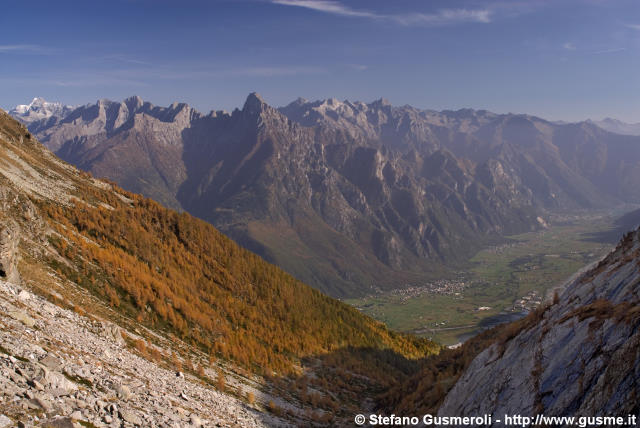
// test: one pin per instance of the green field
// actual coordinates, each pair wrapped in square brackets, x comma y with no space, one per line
[497,278]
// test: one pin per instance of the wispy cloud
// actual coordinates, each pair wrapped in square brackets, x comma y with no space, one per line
[610,50]
[124,59]
[358,67]
[70,80]
[274,71]
[328,6]
[441,17]
[88,81]
[633,26]
[444,17]
[23,49]
[170,73]
[148,76]
[569,46]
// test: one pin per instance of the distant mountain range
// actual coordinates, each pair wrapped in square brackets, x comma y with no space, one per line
[347,196]
[617,126]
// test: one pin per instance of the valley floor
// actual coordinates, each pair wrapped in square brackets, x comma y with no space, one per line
[502,283]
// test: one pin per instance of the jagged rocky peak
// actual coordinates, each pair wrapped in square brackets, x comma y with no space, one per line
[381,102]
[103,104]
[35,104]
[256,111]
[344,115]
[218,113]
[117,114]
[299,101]
[134,103]
[176,109]
[254,103]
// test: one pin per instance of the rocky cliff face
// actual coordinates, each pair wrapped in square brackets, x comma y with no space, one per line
[581,357]
[563,166]
[9,239]
[347,196]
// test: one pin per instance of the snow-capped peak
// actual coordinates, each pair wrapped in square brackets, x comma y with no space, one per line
[39,109]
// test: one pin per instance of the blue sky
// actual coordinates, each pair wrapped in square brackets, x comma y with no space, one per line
[559,59]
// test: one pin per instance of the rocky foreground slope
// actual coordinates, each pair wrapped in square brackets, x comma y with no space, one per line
[62,369]
[579,356]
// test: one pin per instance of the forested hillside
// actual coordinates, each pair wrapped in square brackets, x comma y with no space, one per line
[175,272]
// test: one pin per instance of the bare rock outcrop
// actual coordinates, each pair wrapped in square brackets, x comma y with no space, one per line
[581,358]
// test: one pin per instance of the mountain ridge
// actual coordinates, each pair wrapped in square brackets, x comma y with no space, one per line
[397,189]
[58,109]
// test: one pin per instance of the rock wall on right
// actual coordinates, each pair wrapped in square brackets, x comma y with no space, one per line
[580,355]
